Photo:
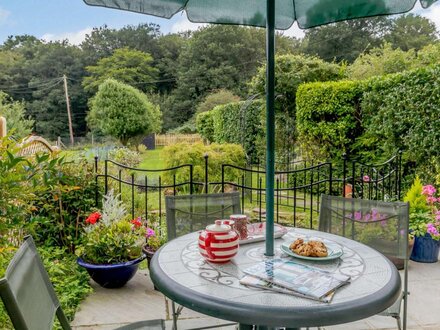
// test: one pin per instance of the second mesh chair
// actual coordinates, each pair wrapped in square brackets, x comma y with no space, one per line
[380,225]
[188,213]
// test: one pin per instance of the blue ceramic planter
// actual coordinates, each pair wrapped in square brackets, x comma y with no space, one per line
[425,249]
[112,275]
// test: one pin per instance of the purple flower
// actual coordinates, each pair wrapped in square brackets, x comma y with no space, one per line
[150,233]
[374,214]
[357,215]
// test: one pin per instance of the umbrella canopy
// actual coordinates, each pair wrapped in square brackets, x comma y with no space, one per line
[266,13]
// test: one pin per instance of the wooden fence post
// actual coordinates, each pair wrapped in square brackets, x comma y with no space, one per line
[3,130]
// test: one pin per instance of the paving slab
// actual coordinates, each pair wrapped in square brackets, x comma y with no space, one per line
[107,309]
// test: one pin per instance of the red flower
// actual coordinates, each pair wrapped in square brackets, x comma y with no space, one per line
[137,222]
[93,218]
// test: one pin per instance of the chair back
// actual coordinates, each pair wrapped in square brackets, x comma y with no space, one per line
[188,213]
[380,225]
[27,292]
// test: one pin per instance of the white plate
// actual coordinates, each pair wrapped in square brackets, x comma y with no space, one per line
[257,232]
[334,252]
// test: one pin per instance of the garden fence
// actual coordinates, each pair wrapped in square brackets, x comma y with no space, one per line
[298,186]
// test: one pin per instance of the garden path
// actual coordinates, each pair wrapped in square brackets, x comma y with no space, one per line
[109,308]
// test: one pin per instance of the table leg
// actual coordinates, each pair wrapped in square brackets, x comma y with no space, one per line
[245,327]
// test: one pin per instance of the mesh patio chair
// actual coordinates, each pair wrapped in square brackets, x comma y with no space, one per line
[380,225]
[30,299]
[188,213]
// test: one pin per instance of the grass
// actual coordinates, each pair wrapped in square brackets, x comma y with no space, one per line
[152,160]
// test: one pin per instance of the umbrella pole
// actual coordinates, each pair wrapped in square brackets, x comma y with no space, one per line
[270,124]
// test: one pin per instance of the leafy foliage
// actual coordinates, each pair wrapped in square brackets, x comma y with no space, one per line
[404,112]
[329,118]
[346,40]
[70,281]
[112,238]
[14,112]
[411,32]
[415,198]
[128,66]
[239,123]
[374,118]
[123,112]
[219,97]
[380,61]
[61,207]
[125,157]
[218,154]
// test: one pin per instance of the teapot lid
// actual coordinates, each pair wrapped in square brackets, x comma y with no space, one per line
[218,227]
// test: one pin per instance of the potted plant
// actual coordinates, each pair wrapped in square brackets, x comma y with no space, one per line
[154,241]
[112,247]
[424,221]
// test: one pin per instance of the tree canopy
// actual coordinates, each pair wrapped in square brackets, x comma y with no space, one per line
[123,112]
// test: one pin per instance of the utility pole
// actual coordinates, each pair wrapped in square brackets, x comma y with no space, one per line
[69,116]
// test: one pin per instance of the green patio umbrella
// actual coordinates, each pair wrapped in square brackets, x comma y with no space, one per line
[279,14]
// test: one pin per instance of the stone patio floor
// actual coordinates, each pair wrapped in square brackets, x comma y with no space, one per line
[109,308]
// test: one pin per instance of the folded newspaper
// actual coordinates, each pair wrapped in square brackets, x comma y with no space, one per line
[293,278]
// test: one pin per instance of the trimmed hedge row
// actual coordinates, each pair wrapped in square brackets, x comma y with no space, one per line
[373,119]
[238,123]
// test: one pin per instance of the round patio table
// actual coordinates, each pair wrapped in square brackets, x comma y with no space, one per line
[180,273]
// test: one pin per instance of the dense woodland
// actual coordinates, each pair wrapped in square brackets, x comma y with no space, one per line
[183,73]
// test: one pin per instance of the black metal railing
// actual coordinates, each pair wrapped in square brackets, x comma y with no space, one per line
[298,186]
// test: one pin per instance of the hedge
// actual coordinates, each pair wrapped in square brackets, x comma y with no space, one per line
[328,116]
[374,118]
[239,123]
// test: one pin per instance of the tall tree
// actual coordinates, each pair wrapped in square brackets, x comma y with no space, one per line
[121,111]
[345,41]
[129,66]
[411,32]
[218,57]
[103,41]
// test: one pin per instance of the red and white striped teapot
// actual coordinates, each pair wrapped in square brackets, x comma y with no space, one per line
[218,242]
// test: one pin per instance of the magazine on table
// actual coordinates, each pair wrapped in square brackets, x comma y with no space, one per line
[306,281]
[256,282]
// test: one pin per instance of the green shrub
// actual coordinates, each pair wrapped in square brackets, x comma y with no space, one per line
[374,119]
[328,118]
[59,210]
[184,153]
[205,125]
[238,123]
[123,112]
[70,281]
[125,157]
[404,110]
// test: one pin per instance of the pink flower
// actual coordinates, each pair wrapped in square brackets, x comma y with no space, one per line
[366,178]
[357,215]
[431,200]
[437,216]
[374,214]
[430,228]
[150,232]
[428,190]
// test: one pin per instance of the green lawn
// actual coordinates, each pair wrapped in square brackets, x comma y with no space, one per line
[151,160]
